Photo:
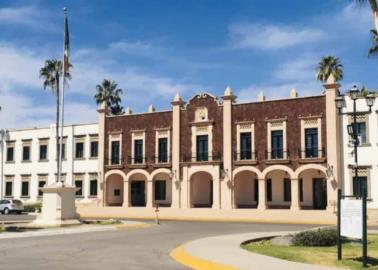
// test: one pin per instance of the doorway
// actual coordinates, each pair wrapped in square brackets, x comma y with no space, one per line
[138,194]
[319,189]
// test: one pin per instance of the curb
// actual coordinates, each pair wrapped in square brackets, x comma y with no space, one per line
[181,256]
[133,226]
[211,219]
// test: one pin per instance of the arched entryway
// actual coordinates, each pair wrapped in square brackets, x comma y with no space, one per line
[114,190]
[278,188]
[312,189]
[162,189]
[201,190]
[246,189]
[137,189]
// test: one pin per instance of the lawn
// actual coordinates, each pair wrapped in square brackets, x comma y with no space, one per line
[326,256]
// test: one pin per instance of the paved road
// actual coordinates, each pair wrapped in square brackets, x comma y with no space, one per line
[22,217]
[147,248]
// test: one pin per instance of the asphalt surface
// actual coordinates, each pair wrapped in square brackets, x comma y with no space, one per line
[146,248]
[16,218]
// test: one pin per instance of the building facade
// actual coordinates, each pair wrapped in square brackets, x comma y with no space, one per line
[367,128]
[29,160]
[216,153]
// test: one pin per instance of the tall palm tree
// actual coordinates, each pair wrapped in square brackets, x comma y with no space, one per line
[329,65]
[373,51]
[108,92]
[51,73]
[374,8]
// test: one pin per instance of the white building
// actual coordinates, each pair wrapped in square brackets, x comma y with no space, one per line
[367,127]
[29,160]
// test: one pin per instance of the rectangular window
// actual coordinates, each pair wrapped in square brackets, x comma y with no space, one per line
[160,186]
[10,153]
[94,149]
[41,184]
[311,142]
[287,190]
[79,186]
[93,187]
[202,148]
[26,153]
[79,150]
[43,152]
[63,153]
[138,151]
[117,192]
[269,190]
[9,188]
[361,132]
[115,153]
[301,189]
[245,146]
[25,189]
[163,150]
[277,144]
[359,184]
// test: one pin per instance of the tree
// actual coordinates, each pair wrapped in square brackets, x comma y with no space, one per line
[51,73]
[329,65]
[373,51]
[107,92]
[374,8]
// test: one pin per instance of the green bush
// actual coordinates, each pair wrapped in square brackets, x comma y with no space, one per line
[320,238]
[31,208]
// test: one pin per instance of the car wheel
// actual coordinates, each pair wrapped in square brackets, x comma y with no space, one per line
[6,211]
[19,212]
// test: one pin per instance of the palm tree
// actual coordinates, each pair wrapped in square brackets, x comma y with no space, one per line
[373,51]
[329,65]
[51,73]
[374,8]
[108,92]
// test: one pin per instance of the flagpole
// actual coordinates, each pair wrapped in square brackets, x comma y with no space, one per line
[62,99]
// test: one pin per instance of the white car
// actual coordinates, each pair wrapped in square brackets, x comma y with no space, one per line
[8,206]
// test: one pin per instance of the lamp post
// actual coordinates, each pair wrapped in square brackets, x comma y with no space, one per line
[4,135]
[354,94]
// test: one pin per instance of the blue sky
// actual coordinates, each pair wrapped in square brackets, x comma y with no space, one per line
[153,49]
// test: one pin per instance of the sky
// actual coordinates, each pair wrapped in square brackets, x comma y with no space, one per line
[154,49]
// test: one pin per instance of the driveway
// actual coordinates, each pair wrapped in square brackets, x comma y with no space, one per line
[147,248]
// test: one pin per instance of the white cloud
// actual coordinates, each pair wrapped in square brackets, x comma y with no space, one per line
[271,37]
[29,16]
[19,67]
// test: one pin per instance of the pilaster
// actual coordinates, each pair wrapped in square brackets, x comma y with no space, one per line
[102,111]
[262,195]
[294,194]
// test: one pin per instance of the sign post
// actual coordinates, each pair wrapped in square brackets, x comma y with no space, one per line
[352,221]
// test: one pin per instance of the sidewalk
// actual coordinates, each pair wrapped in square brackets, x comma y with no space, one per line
[75,230]
[224,253]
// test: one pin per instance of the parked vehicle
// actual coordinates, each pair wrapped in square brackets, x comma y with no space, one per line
[9,206]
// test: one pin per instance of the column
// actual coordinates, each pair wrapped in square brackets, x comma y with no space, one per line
[226,190]
[262,195]
[176,187]
[216,194]
[101,154]
[150,195]
[294,194]
[333,140]
[126,194]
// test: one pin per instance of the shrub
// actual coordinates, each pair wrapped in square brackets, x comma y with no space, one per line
[320,237]
[31,208]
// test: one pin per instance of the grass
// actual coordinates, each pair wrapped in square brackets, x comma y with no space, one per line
[326,256]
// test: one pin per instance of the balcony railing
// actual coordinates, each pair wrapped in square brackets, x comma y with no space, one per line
[277,154]
[136,160]
[311,152]
[113,161]
[245,155]
[161,158]
[201,157]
